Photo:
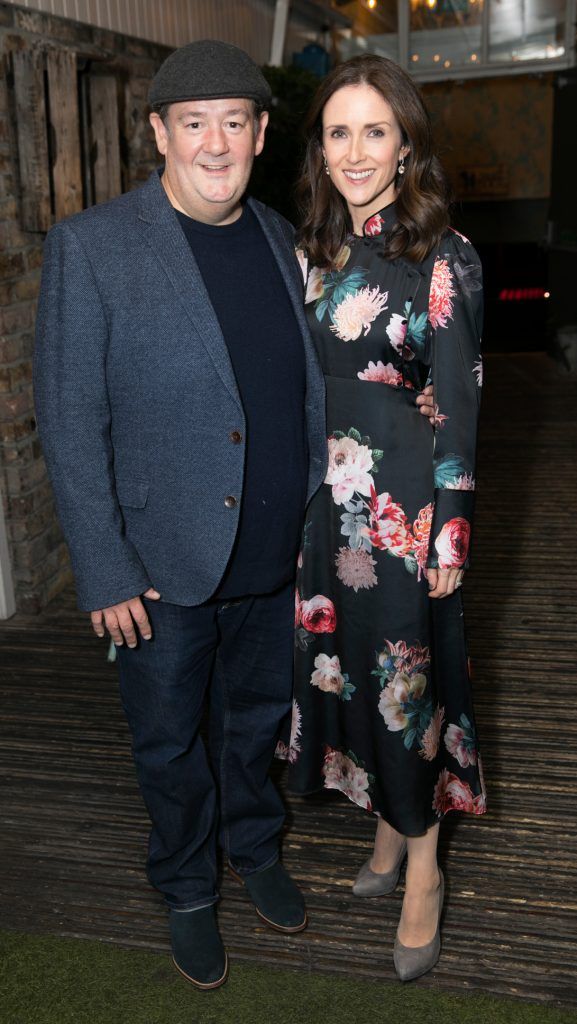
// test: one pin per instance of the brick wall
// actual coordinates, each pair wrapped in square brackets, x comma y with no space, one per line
[39,557]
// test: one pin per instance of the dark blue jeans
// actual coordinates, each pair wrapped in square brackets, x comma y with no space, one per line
[240,653]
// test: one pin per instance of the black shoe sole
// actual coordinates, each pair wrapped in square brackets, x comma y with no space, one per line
[204,986]
[287,929]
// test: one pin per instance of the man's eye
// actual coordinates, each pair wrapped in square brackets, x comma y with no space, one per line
[193,124]
[235,124]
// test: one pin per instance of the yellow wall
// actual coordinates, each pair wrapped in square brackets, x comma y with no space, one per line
[495,123]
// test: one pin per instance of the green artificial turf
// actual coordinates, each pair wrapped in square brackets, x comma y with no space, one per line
[46,980]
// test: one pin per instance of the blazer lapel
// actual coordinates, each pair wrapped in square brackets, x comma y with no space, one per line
[166,239]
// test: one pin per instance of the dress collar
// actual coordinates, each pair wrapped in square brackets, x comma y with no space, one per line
[380,222]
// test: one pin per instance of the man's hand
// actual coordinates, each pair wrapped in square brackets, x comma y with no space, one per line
[122,619]
[426,403]
[443,582]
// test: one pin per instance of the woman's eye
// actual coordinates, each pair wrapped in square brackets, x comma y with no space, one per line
[337,133]
[377,133]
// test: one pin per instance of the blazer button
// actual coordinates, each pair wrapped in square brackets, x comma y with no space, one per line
[235,436]
[230,502]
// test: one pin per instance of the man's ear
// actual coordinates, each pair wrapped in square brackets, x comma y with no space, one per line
[160,132]
[259,141]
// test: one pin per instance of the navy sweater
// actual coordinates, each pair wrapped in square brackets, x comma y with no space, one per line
[266,349]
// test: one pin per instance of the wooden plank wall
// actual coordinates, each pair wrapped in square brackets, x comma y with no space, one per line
[105,150]
[64,118]
[74,828]
[36,211]
[52,133]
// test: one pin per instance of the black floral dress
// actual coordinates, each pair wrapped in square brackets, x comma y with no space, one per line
[382,709]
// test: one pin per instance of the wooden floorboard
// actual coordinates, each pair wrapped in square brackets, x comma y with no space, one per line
[73,828]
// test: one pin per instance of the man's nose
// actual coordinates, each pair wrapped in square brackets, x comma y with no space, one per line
[215,141]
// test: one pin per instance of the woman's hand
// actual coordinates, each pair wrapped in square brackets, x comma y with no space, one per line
[426,403]
[443,582]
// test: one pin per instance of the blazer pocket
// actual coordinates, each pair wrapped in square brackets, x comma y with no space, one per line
[132,493]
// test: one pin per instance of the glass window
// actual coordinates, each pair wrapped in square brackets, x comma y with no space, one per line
[444,33]
[526,29]
[374,29]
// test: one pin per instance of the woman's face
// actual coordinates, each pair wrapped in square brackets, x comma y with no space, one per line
[362,145]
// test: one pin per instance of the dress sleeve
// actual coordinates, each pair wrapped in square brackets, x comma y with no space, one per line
[455,315]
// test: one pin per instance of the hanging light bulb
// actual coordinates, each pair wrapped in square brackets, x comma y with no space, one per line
[432,4]
[371,4]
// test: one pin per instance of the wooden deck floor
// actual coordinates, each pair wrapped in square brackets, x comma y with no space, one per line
[73,829]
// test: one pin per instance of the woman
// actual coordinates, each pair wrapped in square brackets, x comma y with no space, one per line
[382,701]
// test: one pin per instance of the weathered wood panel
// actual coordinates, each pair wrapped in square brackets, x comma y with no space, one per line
[105,137]
[74,828]
[36,213]
[64,118]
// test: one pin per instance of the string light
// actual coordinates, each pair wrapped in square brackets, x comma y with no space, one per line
[432,4]
[415,57]
[437,58]
[371,4]
[474,57]
[447,64]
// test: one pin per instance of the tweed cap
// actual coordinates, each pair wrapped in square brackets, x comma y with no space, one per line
[207,70]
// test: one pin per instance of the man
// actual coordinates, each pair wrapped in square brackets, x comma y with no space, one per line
[181,408]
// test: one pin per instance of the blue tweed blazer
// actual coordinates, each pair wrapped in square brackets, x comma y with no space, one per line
[136,398]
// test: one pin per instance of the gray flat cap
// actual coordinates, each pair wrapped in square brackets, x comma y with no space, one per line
[208,70]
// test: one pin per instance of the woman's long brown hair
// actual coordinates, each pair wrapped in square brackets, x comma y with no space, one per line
[423,197]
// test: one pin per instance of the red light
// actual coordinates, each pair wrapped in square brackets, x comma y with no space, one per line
[522,294]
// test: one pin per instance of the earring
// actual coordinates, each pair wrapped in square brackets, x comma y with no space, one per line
[401,167]
[326,166]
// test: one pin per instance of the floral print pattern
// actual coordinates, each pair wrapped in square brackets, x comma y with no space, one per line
[405,702]
[350,467]
[441,294]
[355,314]
[461,742]
[328,677]
[290,752]
[452,543]
[381,373]
[452,793]
[347,774]
[390,722]
[356,568]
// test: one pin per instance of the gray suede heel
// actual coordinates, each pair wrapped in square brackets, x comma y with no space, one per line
[378,883]
[411,962]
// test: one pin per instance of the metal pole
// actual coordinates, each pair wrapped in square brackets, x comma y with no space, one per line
[279,32]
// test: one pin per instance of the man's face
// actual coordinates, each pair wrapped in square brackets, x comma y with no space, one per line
[209,147]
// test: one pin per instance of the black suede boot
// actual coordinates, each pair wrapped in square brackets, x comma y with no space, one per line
[197,948]
[276,898]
